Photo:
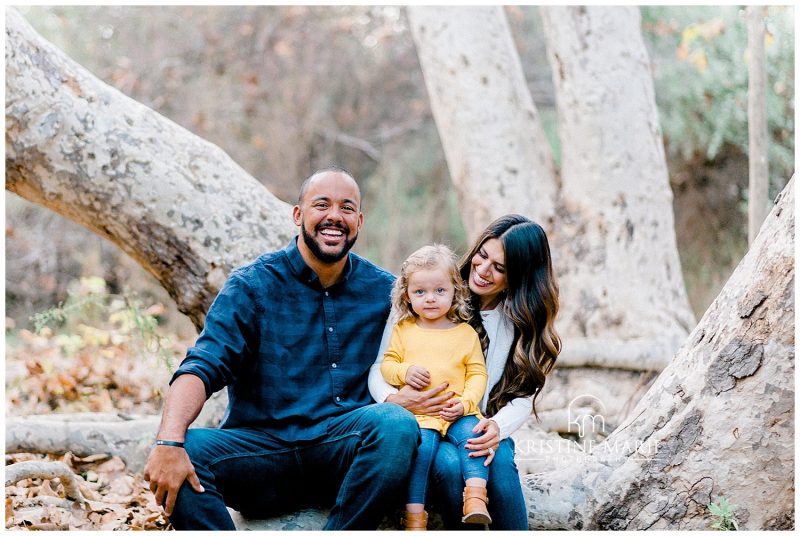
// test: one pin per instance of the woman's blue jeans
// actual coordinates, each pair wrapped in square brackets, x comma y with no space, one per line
[457,434]
[506,502]
[361,468]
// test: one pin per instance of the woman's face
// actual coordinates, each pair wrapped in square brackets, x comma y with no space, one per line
[487,275]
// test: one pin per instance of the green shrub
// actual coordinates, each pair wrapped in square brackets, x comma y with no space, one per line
[699,55]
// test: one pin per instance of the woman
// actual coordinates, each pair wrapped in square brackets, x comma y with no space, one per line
[515,300]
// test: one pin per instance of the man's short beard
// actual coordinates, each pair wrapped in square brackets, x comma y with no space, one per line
[328,258]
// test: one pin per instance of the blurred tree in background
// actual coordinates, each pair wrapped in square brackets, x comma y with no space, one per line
[285,90]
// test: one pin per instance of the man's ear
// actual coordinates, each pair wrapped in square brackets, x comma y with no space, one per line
[297,215]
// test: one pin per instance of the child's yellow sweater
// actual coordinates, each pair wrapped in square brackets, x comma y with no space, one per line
[453,355]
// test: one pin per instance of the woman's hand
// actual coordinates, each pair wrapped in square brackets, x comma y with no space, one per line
[418,377]
[452,411]
[429,402]
[487,444]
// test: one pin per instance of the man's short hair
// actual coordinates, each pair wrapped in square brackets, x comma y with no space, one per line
[332,168]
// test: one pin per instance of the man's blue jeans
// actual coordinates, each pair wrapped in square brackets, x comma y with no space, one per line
[361,468]
[457,434]
[506,502]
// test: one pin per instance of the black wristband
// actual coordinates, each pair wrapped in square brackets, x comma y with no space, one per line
[169,443]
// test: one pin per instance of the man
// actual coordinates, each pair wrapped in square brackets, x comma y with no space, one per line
[292,335]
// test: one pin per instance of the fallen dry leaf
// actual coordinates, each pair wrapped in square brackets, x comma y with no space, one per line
[125,503]
[85,372]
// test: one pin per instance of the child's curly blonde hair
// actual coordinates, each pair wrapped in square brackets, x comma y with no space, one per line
[426,258]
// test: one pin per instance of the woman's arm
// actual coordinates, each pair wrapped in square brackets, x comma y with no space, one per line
[378,380]
[513,415]
[379,388]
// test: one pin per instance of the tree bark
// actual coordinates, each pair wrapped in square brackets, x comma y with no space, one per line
[128,436]
[174,202]
[718,421]
[47,470]
[634,354]
[609,217]
[498,155]
[758,144]
[83,435]
[620,274]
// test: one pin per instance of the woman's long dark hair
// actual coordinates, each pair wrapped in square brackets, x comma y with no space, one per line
[531,303]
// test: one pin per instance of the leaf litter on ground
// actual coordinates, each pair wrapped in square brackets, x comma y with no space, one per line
[88,369]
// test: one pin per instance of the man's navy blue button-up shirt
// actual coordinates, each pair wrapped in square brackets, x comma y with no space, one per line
[292,353]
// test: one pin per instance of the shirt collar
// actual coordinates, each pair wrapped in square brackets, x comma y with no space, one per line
[303,272]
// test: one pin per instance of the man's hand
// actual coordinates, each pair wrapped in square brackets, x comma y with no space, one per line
[429,402]
[418,377]
[166,469]
[453,410]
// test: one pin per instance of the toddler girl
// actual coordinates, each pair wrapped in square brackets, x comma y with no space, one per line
[431,343]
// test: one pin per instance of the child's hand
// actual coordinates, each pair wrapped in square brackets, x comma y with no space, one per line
[418,377]
[452,411]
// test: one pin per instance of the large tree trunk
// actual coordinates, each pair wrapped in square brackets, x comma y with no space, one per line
[621,275]
[174,202]
[718,422]
[610,216]
[758,140]
[498,155]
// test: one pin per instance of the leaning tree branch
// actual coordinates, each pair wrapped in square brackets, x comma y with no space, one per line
[349,140]
[86,151]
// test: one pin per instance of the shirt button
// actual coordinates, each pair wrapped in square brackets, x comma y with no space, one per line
[338,399]
[330,329]
[333,365]
[327,293]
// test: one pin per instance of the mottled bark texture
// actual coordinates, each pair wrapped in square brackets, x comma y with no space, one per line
[174,202]
[84,434]
[717,422]
[498,155]
[128,436]
[616,249]
[609,214]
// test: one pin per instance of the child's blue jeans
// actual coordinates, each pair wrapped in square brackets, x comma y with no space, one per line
[458,433]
